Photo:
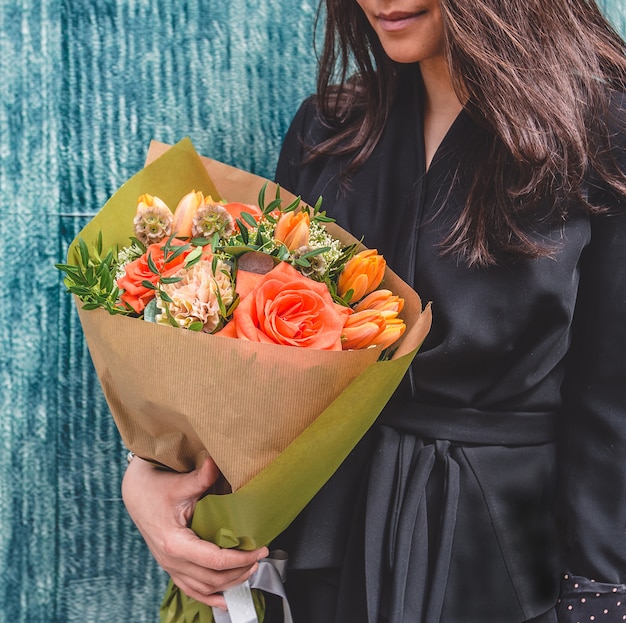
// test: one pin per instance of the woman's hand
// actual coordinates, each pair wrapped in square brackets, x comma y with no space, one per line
[161,504]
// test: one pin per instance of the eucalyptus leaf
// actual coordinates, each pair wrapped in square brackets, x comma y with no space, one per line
[150,311]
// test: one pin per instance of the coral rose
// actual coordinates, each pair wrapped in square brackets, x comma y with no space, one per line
[134,292]
[284,307]
[235,209]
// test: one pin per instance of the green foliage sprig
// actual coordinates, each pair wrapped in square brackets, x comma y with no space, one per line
[92,278]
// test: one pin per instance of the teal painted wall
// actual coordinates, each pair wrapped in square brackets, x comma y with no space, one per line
[85,85]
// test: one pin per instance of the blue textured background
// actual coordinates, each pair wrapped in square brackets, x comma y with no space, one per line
[85,85]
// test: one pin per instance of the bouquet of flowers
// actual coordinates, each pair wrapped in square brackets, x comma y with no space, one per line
[293,337]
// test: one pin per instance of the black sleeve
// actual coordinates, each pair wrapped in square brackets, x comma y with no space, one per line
[293,148]
[593,459]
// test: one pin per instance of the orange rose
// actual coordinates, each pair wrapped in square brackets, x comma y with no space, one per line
[135,293]
[286,308]
[292,229]
[362,274]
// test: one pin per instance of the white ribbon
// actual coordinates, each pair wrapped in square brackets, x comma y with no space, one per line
[269,577]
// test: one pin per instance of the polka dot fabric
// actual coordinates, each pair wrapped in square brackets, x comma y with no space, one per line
[587,601]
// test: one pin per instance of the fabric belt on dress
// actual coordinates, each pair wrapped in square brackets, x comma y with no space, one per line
[465,425]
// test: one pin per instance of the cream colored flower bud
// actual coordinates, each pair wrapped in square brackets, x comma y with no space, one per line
[212,218]
[153,220]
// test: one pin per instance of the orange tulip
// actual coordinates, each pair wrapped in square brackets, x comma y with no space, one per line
[394,330]
[292,229]
[384,301]
[362,329]
[184,213]
[362,274]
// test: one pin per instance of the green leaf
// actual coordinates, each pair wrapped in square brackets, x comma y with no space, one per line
[84,252]
[99,243]
[314,252]
[200,242]
[165,297]
[151,265]
[243,230]
[171,256]
[193,257]
[169,280]
[293,205]
[249,219]
[148,284]
[262,197]
[274,205]
[195,326]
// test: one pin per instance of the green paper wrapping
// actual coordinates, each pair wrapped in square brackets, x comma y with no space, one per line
[177,395]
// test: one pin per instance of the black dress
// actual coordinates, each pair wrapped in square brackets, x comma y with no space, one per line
[495,480]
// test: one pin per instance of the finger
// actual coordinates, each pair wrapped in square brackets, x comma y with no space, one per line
[215,585]
[184,544]
[215,600]
[208,580]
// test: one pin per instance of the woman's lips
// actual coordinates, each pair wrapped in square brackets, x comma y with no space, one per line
[393,22]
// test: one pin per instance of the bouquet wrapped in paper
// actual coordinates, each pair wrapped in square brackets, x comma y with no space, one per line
[257,332]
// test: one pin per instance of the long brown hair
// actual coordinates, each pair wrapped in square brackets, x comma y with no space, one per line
[536,74]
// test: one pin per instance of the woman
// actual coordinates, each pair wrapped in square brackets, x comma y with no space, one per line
[481,147]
